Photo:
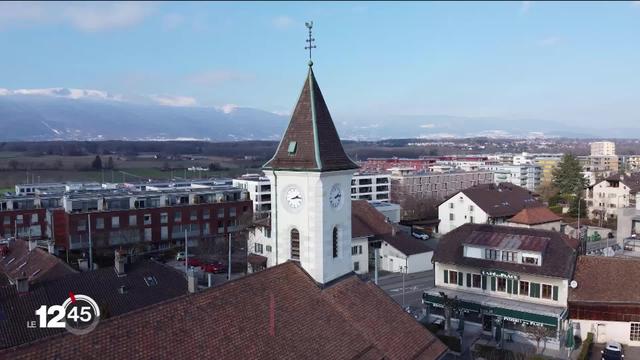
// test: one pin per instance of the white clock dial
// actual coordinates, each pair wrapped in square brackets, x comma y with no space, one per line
[294,197]
[335,196]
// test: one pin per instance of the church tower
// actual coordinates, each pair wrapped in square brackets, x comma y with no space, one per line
[311,190]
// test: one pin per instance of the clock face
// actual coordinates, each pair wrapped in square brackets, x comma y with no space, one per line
[335,196]
[294,197]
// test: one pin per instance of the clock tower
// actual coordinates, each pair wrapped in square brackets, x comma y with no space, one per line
[311,190]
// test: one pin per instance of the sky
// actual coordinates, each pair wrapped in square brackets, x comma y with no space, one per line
[578,63]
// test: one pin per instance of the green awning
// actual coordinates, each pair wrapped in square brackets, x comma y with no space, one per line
[508,314]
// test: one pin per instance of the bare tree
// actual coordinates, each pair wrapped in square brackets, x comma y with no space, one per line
[451,306]
[539,333]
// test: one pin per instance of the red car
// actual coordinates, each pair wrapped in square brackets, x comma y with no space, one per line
[194,262]
[214,267]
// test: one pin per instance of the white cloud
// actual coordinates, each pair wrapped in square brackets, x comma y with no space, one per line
[282,113]
[428,126]
[217,77]
[525,6]
[227,108]
[89,16]
[168,100]
[282,22]
[549,41]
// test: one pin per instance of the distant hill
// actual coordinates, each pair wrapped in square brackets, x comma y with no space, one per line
[78,114]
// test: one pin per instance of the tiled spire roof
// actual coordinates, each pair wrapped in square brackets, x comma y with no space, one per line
[311,142]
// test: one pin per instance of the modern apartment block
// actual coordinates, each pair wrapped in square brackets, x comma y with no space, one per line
[156,219]
[259,188]
[124,215]
[370,186]
[603,148]
[408,185]
[526,176]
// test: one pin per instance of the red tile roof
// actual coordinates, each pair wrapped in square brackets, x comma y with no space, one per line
[367,221]
[317,144]
[278,313]
[37,265]
[535,216]
[609,280]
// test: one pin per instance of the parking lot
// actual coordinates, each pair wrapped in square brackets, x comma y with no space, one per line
[218,279]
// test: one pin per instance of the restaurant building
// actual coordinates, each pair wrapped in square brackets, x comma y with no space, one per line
[505,278]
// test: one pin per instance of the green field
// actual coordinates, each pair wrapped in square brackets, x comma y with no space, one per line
[18,168]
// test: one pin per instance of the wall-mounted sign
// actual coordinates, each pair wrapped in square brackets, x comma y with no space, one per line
[500,274]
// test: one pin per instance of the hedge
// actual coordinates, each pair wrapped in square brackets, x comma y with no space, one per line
[585,353]
[452,342]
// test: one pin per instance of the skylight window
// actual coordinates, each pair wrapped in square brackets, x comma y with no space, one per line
[150,281]
[293,146]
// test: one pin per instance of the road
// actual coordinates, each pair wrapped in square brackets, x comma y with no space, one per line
[414,285]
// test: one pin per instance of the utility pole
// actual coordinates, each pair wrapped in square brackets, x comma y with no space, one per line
[376,254]
[90,243]
[229,260]
[403,272]
[186,252]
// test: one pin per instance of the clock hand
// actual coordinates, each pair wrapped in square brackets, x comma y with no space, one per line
[296,197]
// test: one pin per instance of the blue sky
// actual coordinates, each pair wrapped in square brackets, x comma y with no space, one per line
[573,62]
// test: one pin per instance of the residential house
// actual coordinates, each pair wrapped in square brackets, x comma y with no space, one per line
[484,204]
[606,196]
[604,299]
[505,278]
[539,217]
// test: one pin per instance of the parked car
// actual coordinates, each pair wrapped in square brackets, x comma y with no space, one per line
[420,235]
[180,256]
[612,351]
[214,267]
[194,262]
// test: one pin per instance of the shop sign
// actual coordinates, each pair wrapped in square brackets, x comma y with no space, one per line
[500,274]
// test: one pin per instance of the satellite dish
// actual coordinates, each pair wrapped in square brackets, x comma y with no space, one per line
[573,284]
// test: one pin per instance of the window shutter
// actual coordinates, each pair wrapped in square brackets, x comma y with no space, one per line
[493,283]
[460,278]
[509,286]
[484,282]
[515,287]
[446,276]
[468,279]
[535,290]
[555,293]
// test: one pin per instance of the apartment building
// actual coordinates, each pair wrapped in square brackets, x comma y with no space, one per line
[407,185]
[526,176]
[505,278]
[603,148]
[372,186]
[156,219]
[259,188]
[614,192]
[547,165]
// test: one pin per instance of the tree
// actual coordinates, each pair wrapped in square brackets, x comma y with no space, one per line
[451,306]
[573,207]
[539,333]
[96,164]
[110,165]
[568,177]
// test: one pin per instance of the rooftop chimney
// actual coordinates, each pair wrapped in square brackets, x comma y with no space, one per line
[393,230]
[51,247]
[22,283]
[118,263]
[32,245]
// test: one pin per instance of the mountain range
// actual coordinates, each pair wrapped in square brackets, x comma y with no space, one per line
[81,114]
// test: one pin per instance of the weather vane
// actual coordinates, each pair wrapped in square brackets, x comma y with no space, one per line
[310,40]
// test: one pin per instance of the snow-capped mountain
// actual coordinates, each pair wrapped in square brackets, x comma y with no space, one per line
[82,114]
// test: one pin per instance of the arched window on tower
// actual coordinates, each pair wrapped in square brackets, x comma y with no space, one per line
[335,242]
[295,244]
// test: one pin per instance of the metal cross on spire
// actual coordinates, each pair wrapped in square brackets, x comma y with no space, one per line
[310,41]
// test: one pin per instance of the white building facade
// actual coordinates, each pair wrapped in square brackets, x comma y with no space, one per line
[259,188]
[370,186]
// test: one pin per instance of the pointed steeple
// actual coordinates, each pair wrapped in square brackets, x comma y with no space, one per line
[311,142]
